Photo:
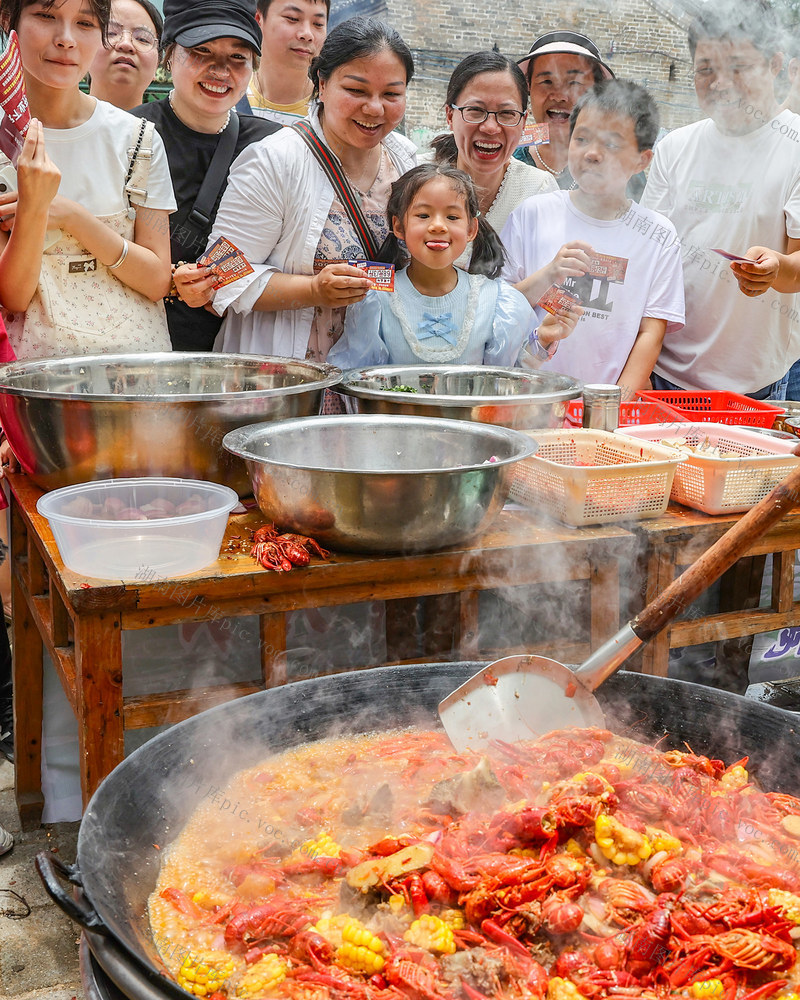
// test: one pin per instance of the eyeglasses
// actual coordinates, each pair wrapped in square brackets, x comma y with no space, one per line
[141,38]
[475,116]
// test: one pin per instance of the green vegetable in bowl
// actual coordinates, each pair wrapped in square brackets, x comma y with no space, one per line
[400,388]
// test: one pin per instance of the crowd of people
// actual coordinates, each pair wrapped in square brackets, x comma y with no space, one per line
[283,139]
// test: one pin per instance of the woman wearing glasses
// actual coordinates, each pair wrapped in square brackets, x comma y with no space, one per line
[211,51]
[486,105]
[121,73]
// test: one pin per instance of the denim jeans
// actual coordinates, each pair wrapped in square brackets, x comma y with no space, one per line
[777,390]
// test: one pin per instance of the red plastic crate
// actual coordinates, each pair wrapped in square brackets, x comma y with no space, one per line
[635,411]
[719,407]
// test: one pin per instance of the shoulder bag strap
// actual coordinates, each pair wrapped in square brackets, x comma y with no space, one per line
[335,174]
[199,219]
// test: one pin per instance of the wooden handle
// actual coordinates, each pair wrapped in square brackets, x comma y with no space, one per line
[721,556]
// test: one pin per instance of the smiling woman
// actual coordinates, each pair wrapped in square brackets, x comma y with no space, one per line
[211,50]
[486,105]
[295,224]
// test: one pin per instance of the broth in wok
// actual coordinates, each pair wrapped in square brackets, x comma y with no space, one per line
[583,864]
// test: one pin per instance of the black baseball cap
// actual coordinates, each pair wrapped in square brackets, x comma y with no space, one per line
[564,41]
[189,22]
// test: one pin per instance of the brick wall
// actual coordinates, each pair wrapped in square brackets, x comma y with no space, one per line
[642,40]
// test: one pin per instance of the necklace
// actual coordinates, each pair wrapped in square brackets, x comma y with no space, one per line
[368,171]
[555,173]
[170,97]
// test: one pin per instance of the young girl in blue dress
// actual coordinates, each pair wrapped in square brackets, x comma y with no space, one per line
[438,313]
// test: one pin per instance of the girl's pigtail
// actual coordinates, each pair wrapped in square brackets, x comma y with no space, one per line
[488,253]
[444,149]
[392,253]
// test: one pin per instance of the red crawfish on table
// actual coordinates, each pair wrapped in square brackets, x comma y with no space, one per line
[281,552]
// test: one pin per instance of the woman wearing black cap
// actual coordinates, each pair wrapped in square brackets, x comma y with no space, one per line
[211,48]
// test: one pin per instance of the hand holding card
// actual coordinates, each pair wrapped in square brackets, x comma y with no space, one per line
[604,265]
[226,261]
[732,256]
[557,300]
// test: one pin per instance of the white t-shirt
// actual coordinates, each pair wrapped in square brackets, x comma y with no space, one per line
[731,193]
[94,157]
[599,346]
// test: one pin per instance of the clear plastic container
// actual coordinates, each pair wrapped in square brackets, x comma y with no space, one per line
[138,529]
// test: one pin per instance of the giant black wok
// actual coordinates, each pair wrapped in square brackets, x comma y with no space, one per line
[148,798]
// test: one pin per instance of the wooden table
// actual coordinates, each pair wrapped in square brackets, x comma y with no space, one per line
[80,621]
[675,540]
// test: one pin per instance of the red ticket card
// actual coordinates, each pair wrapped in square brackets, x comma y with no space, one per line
[226,261]
[380,275]
[557,299]
[731,256]
[534,134]
[603,265]
[13,101]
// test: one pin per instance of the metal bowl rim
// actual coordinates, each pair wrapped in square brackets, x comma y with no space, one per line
[331,377]
[526,446]
[349,377]
[231,501]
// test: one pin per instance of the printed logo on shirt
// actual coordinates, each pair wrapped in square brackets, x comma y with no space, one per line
[721,199]
[593,294]
[82,266]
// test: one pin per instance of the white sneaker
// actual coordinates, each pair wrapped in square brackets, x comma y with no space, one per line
[6,840]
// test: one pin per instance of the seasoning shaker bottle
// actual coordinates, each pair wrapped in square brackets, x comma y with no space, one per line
[601,407]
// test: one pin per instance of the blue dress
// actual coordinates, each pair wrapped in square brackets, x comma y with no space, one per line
[481,321]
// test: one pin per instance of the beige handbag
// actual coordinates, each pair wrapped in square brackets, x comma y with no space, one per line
[80,306]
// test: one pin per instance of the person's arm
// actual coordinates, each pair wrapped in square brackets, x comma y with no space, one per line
[571,261]
[769,269]
[267,188]
[38,179]
[644,354]
[361,343]
[146,267]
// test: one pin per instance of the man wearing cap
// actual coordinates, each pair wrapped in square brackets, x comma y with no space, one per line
[211,49]
[560,67]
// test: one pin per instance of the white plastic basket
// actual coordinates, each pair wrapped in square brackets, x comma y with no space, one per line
[757,463]
[585,477]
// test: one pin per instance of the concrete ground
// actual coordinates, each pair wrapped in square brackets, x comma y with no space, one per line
[38,953]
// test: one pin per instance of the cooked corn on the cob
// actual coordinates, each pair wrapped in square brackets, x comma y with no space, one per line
[202,973]
[620,843]
[431,933]
[262,977]
[360,951]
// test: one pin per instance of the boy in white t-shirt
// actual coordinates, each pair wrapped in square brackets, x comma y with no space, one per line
[732,181]
[630,303]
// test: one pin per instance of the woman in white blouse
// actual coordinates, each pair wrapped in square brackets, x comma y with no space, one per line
[281,210]
[486,106]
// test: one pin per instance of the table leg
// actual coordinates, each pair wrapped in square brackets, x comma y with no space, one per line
[401,629]
[98,675]
[272,647]
[603,600]
[28,695]
[661,570]
[740,589]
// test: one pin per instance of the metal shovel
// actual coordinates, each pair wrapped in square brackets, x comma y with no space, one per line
[522,697]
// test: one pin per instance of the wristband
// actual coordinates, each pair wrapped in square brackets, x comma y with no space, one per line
[121,257]
[542,353]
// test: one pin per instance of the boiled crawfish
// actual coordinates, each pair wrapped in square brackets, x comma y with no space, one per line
[280,552]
